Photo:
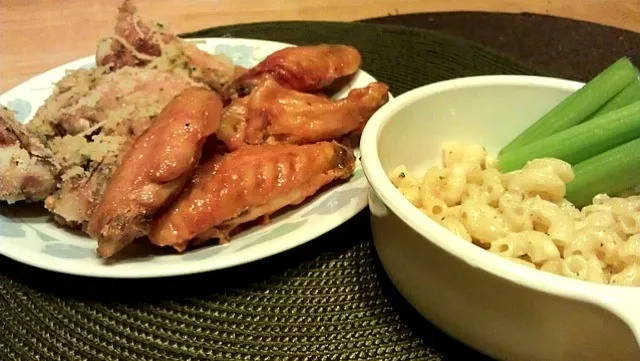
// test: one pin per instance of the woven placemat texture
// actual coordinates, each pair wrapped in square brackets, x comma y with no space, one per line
[571,49]
[326,300]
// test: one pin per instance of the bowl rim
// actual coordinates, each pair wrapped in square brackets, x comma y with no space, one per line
[433,232]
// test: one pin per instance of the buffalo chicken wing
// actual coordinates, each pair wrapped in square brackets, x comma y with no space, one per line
[154,170]
[307,68]
[275,114]
[254,181]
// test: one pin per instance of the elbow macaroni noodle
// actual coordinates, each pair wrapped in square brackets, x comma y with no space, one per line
[523,215]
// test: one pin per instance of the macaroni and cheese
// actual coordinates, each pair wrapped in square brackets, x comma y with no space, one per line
[524,216]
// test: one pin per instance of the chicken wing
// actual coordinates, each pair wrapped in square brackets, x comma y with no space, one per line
[303,68]
[275,114]
[254,181]
[140,44]
[27,168]
[154,170]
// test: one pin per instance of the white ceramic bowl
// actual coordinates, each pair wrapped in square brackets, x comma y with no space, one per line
[500,308]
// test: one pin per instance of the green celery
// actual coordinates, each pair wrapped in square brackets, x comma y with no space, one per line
[630,94]
[580,142]
[610,172]
[578,106]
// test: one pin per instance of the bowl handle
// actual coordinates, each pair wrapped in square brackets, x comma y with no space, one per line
[376,206]
[624,306]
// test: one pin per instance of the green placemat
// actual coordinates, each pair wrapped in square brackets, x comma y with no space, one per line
[326,300]
[567,48]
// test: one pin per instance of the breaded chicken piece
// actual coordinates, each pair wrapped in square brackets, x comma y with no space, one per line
[122,101]
[60,114]
[141,44]
[27,168]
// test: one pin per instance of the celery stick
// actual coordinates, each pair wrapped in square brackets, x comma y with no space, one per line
[579,105]
[578,143]
[610,172]
[628,95]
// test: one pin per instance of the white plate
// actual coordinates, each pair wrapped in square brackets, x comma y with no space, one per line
[32,238]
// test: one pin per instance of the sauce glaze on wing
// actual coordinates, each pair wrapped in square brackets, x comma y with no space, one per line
[154,170]
[254,181]
[303,68]
[275,114]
